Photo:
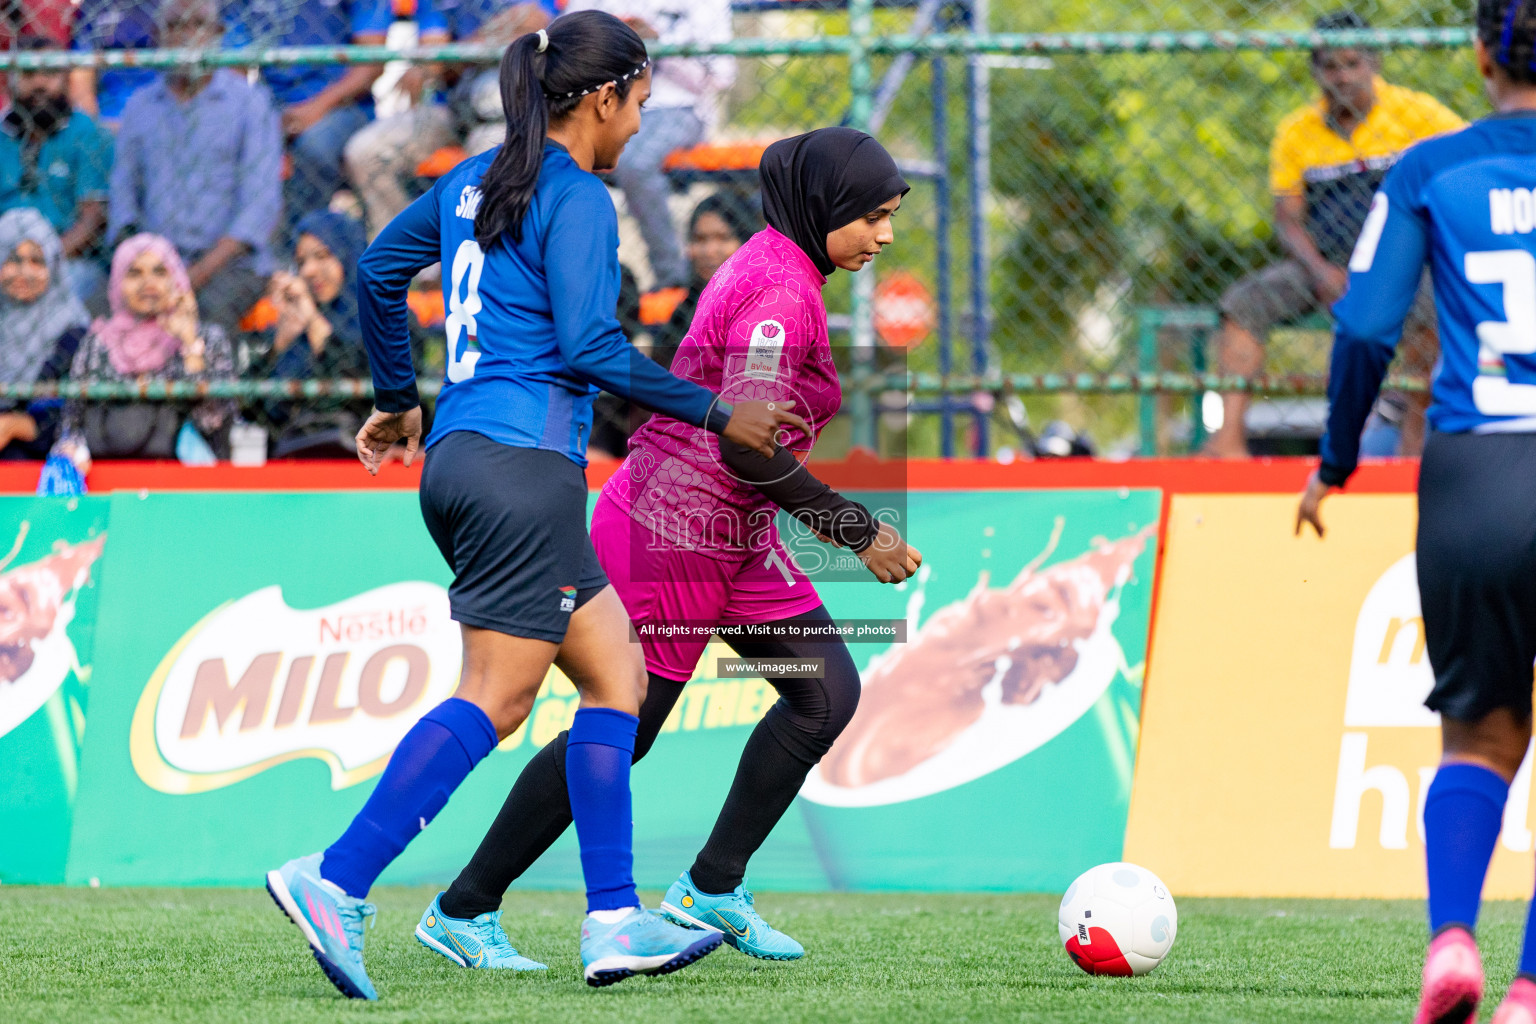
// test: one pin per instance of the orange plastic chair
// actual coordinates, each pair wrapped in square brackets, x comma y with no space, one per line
[441,162]
[427,304]
[657,307]
[259,317]
[718,156]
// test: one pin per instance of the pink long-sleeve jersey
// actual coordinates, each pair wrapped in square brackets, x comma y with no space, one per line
[760,332]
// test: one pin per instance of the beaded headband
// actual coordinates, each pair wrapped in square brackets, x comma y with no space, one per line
[594,88]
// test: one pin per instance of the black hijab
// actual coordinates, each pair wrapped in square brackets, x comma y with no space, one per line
[815,183]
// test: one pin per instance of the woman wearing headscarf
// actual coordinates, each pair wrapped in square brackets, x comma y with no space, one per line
[318,305]
[153,334]
[720,225]
[685,532]
[41,326]
[317,336]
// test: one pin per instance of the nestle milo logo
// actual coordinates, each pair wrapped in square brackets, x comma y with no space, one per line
[257,683]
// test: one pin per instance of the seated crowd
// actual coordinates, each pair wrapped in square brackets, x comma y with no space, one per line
[124,258]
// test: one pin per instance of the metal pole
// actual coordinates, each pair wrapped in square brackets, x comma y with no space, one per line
[1146,348]
[928,12]
[862,328]
[974,42]
[944,268]
[1287,385]
[981,178]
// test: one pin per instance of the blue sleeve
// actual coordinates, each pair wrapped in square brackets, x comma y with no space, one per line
[408,244]
[82,34]
[429,18]
[372,17]
[238,33]
[1384,275]
[125,183]
[580,245]
[259,190]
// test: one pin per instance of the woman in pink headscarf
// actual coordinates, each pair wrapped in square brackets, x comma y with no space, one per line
[154,335]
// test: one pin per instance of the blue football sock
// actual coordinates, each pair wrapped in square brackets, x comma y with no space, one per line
[1528,950]
[1462,815]
[425,769]
[598,753]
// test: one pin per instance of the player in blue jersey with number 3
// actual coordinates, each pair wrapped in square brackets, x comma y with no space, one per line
[1466,203]
[529,240]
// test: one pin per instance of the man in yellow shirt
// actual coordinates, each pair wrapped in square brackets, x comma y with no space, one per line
[1325,164]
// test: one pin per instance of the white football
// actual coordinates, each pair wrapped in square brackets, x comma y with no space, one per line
[1117,919]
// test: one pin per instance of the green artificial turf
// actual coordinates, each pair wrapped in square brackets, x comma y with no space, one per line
[229,955]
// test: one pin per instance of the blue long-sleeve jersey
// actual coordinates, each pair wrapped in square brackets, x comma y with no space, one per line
[531,326]
[1466,202]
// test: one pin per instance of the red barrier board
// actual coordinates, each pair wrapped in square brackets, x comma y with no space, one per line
[858,472]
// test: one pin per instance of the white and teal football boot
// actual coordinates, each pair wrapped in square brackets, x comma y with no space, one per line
[331,921]
[640,943]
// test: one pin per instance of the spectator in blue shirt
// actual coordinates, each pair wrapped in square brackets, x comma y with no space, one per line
[199,161]
[322,105]
[111,25]
[55,160]
[382,158]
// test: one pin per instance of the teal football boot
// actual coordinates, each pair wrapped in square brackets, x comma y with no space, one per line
[478,942]
[733,915]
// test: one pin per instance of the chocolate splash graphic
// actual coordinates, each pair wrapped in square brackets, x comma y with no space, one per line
[31,597]
[1020,638]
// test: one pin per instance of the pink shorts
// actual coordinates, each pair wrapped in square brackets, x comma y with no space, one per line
[666,585]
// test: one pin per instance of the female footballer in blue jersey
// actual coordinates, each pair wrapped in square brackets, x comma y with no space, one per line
[528,239]
[1466,203]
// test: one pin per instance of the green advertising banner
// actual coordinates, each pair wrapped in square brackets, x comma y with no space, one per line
[50,561]
[994,749]
[260,655]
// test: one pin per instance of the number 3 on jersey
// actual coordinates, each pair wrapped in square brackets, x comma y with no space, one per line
[1514,270]
[468,262]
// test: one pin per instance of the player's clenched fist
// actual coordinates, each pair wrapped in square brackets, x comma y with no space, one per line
[889,558]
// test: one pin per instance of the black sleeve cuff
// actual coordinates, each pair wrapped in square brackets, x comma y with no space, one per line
[396,399]
[1333,476]
[719,417]
[854,527]
[786,482]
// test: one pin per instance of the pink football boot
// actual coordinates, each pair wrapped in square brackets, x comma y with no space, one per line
[1453,980]
[1519,1007]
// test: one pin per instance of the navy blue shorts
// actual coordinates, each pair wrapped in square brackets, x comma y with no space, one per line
[1477,571]
[512,524]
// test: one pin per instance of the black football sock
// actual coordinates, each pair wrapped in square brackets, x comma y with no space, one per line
[785,746]
[536,812]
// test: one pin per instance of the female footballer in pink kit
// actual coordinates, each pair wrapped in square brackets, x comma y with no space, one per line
[685,531]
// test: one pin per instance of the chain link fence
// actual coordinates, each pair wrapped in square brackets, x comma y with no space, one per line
[1089,181]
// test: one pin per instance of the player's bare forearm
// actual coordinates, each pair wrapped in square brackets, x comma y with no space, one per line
[224,252]
[86,228]
[1309,511]
[1291,226]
